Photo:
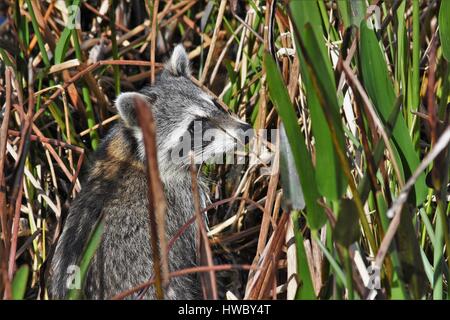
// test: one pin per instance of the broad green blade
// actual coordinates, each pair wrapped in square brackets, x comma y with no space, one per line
[357,11]
[347,230]
[278,93]
[413,272]
[19,283]
[444,28]
[398,290]
[305,290]
[344,12]
[329,176]
[352,12]
[62,45]
[292,190]
[381,91]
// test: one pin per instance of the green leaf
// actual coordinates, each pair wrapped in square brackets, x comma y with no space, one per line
[19,283]
[352,12]
[413,272]
[37,32]
[347,229]
[340,275]
[330,179]
[444,28]
[305,290]
[378,151]
[381,91]
[4,56]
[398,290]
[88,254]
[344,12]
[292,190]
[402,43]
[280,97]
[62,45]
[357,11]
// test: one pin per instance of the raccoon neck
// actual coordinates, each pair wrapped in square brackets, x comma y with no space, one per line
[180,186]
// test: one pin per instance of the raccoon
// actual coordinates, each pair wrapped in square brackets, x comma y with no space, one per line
[116,189]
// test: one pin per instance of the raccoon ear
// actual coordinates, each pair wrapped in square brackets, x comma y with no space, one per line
[178,64]
[125,104]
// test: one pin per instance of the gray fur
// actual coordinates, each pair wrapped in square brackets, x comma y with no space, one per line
[116,189]
[178,65]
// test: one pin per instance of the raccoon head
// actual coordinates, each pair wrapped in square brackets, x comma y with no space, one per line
[187,118]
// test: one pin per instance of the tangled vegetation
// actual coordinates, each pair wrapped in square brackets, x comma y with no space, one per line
[355,201]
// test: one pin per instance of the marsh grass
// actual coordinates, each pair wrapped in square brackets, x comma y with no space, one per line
[365,112]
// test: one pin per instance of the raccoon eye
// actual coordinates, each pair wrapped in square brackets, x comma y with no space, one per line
[205,124]
[218,106]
